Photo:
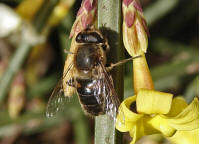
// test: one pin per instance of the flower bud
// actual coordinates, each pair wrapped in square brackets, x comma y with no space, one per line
[85,16]
[134,28]
[28,8]
[60,11]
[17,95]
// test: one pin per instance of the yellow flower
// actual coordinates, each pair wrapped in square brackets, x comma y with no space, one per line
[156,112]
[149,111]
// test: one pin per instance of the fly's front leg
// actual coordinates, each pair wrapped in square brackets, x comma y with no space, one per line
[112,65]
[109,67]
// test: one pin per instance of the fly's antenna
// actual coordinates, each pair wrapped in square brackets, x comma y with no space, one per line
[121,62]
[68,52]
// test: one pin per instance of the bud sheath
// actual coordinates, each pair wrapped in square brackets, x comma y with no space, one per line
[134,28]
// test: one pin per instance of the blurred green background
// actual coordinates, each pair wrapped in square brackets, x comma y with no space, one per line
[33,37]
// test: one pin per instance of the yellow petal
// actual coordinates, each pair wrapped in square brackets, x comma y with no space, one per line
[178,104]
[126,118]
[137,131]
[153,102]
[188,119]
[186,137]
[157,124]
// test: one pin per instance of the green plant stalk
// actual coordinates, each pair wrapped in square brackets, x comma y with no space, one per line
[81,129]
[109,21]
[24,48]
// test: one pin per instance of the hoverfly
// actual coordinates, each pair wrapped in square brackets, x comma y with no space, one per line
[88,75]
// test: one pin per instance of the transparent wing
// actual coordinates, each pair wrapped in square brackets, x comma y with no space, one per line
[111,99]
[58,101]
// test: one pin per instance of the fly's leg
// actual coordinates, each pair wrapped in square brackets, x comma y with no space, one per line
[112,65]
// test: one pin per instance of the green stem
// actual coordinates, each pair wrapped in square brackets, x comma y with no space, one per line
[24,48]
[81,129]
[109,21]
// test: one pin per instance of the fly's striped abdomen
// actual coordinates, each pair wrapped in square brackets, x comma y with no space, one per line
[90,98]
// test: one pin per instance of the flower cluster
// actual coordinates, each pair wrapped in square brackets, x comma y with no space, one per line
[150,111]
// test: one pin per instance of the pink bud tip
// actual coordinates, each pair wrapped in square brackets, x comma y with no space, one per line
[88,5]
[19,78]
[86,20]
[129,18]
[127,2]
[80,11]
[137,5]
[145,26]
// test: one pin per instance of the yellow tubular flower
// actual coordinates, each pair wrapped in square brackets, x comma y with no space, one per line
[136,41]
[150,111]
[141,74]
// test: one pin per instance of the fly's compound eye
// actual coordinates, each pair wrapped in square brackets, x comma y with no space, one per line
[79,37]
[89,37]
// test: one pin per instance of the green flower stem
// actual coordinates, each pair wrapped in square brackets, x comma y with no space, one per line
[81,129]
[24,48]
[109,21]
